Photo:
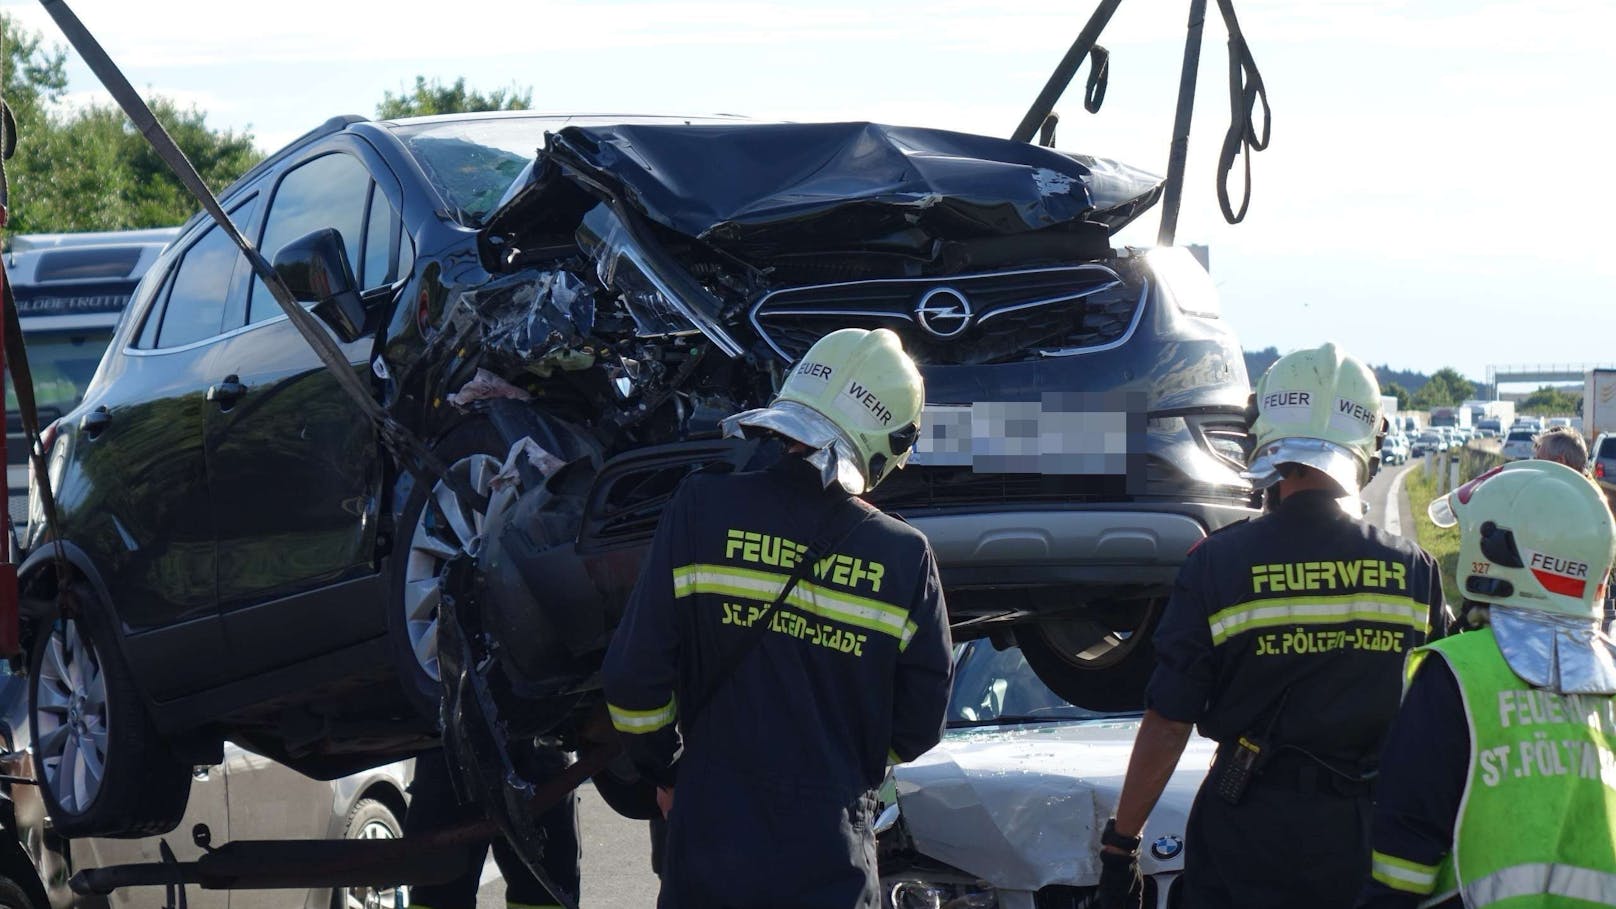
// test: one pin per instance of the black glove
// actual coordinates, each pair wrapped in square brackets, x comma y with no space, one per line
[1120,884]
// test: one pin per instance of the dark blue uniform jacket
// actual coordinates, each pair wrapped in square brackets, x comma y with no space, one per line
[773,800]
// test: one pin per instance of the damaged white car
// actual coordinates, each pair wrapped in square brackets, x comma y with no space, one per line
[1006,812]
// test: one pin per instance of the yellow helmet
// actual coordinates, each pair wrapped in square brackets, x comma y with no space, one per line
[855,398]
[1320,408]
[1533,535]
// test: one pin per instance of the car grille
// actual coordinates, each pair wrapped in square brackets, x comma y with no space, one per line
[1012,315]
[930,487]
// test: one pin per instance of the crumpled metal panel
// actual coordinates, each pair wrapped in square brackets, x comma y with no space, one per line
[822,185]
[535,320]
[1023,808]
[1561,653]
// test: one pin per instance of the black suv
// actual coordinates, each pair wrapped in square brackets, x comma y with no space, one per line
[564,308]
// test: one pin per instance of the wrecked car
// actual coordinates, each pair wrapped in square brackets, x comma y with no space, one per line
[565,307]
[1006,812]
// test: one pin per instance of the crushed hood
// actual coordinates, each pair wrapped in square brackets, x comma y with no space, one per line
[1023,808]
[760,187]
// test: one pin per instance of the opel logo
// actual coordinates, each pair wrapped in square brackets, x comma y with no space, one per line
[943,311]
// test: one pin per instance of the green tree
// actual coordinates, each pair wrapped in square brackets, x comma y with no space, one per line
[87,169]
[433,97]
[1550,401]
[1445,388]
[1397,391]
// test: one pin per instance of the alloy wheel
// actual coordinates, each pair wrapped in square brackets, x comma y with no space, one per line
[71,718]
[376,897]
[445,528]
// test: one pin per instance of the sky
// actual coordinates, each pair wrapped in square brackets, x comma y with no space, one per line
[1437,190]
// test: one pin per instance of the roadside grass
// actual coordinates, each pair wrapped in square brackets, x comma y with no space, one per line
[1441,542]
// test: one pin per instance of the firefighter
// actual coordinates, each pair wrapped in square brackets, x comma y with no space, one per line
[1283,640]
[787,719]
[1500,772]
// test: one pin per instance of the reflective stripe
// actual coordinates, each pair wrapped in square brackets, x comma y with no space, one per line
[909,629]
[1340,610]
[642,721]
[1402,874]
[765,586]
[1567,881]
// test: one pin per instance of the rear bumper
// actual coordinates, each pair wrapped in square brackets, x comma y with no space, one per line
[1124,545]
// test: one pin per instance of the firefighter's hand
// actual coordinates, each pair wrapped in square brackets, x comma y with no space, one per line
[664,800]
[1120,884]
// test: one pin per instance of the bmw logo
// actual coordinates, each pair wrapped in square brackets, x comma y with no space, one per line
[1166,847]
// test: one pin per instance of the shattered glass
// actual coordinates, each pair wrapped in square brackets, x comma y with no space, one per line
[536,321]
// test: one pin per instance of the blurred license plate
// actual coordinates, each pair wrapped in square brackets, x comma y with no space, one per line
[1056,435]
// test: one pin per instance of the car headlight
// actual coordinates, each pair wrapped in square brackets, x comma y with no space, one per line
[928,894]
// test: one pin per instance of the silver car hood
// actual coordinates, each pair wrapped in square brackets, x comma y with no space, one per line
[1023,807]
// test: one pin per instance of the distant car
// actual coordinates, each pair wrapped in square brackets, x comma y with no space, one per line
[1007,810]
[71,290]
[1602,464]
[1518,445]
[1428,442]
[246,797]
[1394,450]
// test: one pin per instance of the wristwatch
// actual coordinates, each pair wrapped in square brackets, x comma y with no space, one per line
[1110,837]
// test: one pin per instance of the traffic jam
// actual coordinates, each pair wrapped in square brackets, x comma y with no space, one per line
[840,509]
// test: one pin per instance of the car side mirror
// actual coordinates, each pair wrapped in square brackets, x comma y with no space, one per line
[315,268]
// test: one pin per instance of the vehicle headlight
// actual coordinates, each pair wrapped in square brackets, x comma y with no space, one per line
[926,894]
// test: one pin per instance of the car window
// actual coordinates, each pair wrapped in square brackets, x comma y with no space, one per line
[62,363]
[1607,448]
[195,304]
[191,303]
[329,191]
[992,685]
[380,240]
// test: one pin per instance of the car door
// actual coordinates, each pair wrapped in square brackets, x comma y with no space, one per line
[294,465]
[143,471]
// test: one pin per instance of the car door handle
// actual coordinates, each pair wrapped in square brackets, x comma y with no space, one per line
[95,422]
[227,392]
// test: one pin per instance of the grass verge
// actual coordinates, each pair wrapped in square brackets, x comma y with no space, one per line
[1441,542]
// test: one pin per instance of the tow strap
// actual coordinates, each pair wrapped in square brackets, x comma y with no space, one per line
[412,454]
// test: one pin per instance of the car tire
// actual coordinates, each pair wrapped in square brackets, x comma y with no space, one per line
[474,449]
[1090,664]
[369,819]
[13,896]
[103,768]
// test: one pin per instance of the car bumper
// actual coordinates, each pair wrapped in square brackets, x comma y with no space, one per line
[1115,546]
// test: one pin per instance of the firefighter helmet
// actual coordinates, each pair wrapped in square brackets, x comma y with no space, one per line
[854,398]
[1532,534]
[1319,408]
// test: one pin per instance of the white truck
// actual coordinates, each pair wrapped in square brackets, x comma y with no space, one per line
[1599,402]
[1497,416]
[1453,417]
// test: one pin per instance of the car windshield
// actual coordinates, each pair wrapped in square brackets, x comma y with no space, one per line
[1521,436]
[472,162]
[993,687]
[62,363]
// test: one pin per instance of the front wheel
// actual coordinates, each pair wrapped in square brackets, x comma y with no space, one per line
[103,769]
[436,527]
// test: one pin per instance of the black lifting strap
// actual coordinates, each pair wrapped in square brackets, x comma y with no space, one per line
[844,517]
[1099,79]
[1246,89]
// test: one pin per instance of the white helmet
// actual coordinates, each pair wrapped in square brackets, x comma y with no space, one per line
[1532,535]
[855,398]
[1319,408]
